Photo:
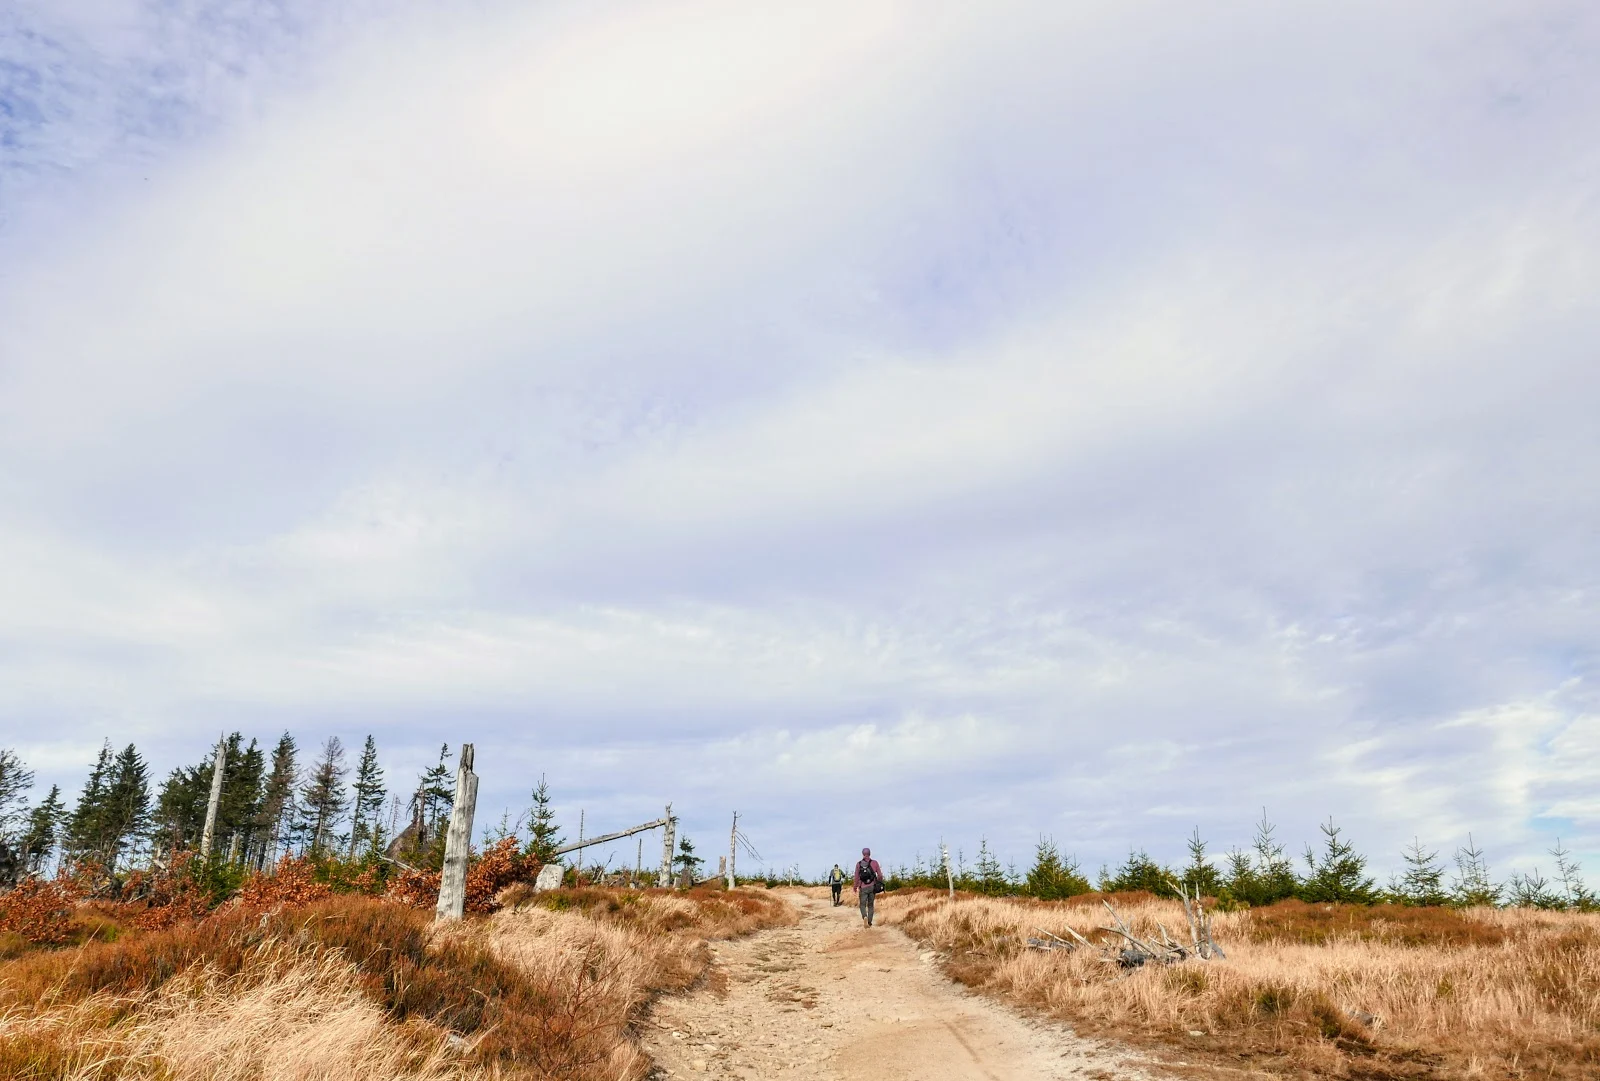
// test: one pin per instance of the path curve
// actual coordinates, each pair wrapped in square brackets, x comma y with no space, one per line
[832,1001]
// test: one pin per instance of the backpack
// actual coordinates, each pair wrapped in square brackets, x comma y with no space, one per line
[868,875]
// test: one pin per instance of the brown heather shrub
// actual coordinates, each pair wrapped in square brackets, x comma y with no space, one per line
[1306,990]
[40,911]
[355,988]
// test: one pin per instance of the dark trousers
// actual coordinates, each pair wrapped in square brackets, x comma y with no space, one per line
[867,902]
[838,889]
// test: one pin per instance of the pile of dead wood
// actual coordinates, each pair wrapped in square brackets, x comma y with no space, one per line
[1129,951]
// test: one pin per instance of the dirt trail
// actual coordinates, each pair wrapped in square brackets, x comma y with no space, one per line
[830,1000]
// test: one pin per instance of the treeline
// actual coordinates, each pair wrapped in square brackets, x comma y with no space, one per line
[273,804]
[1265,872]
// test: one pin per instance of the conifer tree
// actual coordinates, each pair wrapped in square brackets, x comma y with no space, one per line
[1473,887]
[127,803]
[15,780]
[180,809]
[1200,874]
[1422,881]
[1138,872]
[1274,870]
[42,832]
[277,803]
[322,795]
[367,794]
[686,860]
[1532,890]
[1052,878]
[1339,874]
[1569,873]
[544,836]
[991,879]
[84,827]
[242,790]
[437,790]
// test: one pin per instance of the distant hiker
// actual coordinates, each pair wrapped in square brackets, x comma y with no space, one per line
[836,880]
[869,883]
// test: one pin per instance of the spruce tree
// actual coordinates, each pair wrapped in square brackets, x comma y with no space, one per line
[686,860]
[1051,877]
[85,826]
[1339,874]
[1422,881]
[15,781]
[1532,890]
[242,789]
[181,807]
[42,832]
[1473,887]
[1569,873]
[277,803]
[322,796]
[544,836]
[127,802]
[366,803]
[1138,872]
[991,879]
[437,790]
[1200,874]
[1274,870]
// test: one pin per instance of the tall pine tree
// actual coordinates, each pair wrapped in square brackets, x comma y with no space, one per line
[240,805]
[15,780]
[277,804]
[366,804]
[42,833]
[85,826]
[322,795]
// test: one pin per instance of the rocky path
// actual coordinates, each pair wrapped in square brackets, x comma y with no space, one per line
[829,1000]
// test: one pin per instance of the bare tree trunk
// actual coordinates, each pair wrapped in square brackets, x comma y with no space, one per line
[944,854]
[733,848]
[216,798]
[458,842]
[668,839]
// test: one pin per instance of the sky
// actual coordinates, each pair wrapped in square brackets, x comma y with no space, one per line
[891,421]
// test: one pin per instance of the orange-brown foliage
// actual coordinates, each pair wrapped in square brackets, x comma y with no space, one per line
[292,884]
[40,911]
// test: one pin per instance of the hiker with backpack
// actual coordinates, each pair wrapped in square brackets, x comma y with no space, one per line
[836,880]
[869,883]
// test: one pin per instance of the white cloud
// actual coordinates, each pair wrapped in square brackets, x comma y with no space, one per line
[1101,421]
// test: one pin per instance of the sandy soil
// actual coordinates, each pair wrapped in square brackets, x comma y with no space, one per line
[829,999]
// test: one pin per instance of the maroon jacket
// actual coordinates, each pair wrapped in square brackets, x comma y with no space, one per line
[875,870]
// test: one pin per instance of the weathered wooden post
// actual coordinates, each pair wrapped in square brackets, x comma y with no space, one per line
[733,848]
[210,831]
[458,842]
[668,839]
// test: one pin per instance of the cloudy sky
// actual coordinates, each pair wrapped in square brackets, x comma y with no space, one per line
[891,421]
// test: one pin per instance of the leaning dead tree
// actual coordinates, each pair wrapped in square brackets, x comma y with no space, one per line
[1130,951]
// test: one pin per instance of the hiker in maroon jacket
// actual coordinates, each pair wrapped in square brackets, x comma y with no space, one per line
[869,881]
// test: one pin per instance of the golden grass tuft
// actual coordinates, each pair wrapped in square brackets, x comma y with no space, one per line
[1330,990]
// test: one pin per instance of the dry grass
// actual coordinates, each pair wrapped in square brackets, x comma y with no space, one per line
[1481,993]
[359,989]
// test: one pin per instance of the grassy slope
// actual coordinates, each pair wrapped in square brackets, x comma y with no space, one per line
[356,989]
[1481,993]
